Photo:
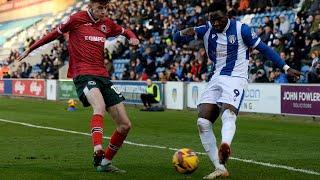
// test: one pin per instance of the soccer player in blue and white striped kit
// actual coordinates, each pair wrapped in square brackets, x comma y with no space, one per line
[227,44]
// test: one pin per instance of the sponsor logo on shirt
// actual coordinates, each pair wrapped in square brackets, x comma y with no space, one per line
[94,39]
[221,51]
[88,24]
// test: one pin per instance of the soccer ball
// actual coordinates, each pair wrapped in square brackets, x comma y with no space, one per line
[185,161]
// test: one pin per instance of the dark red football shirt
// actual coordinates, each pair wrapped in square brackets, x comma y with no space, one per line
[86,42]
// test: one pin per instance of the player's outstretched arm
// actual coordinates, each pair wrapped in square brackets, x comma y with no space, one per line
[276,59]
[251,40]
[133,40]
[46,39]
[184,36]
[188,32]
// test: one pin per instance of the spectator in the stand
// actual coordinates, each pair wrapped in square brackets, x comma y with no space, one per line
[119,50]
[180,70]
[294,61]
[6,75]
[268,36]
[315,24]
[26,71]
[315,60]
[152,96]
[268,22]
[243,5]
[280,77]
[276,26]
[151,66]
[298,26]
[315,45]
[64,53]
[278,45]
[258,65]
[261,77]
[189,77]
[5,70]
[153,47]
[260,31]
[132,75]
[139,67]
[15,74]
[162,77]
[284,25]
[314,76]
[310,5]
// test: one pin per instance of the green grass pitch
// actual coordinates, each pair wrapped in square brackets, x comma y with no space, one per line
[33,153]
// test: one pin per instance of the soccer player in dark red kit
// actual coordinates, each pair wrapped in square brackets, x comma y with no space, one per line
[88,31]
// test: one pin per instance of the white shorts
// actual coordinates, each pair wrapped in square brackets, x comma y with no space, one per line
[224,89]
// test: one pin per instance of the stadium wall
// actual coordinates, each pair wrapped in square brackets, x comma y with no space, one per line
[294,99]
[19,9]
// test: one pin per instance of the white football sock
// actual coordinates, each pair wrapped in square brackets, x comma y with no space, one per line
[97,148]
[228,126]
[209,141]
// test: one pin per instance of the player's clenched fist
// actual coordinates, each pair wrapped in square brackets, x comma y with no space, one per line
[134,41]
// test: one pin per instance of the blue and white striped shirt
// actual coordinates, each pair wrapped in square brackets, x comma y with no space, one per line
[229,50]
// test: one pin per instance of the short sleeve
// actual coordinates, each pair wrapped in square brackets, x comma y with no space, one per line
[67,25]
[201,30]
[250,38]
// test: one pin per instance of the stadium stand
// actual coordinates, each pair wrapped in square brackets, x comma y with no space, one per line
[287,26]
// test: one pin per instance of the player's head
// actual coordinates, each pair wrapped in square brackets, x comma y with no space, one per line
[218,15]
[98,8]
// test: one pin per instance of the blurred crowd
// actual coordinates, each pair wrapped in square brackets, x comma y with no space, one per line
[159,58]
[48,68]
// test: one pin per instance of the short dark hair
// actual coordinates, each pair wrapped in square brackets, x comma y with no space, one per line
[100,1]
[218,5]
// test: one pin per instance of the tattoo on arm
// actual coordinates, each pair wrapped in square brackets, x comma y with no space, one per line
[187,32]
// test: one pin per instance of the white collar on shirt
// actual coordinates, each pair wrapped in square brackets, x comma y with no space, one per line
[227,26]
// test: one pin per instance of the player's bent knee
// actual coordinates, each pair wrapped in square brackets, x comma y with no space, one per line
[204,125]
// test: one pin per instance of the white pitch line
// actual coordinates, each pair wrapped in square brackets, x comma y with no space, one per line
[306,171]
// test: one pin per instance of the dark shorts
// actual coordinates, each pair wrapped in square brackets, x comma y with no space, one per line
[84,83]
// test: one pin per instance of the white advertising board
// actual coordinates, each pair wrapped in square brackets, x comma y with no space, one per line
[174,95]
[262,98]
[51,90]
[194,91]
